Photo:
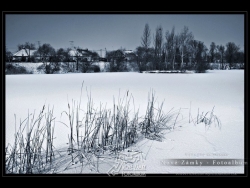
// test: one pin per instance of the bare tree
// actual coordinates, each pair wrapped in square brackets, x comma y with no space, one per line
[87,62]
[221,50]
[60,54]
[46,51]
[212,52]
[158,45]
[140,58]
[48,55]
[175,46]
[27,45]
[77,56]
[231,53]
[8,55]
[144,50]
[199,50]
[170,47]
[185,38]
[240,58]
[146,37]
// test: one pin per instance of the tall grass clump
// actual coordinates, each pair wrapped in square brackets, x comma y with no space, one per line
[96,132]
[208,118]
[32,151]
[110,131]
[103,130]
[155,119]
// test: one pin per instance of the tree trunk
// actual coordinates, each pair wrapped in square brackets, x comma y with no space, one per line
[173,61]
[165,60]
[182,56]
[221,63]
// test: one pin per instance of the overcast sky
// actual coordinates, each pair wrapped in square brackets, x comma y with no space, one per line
[113,31]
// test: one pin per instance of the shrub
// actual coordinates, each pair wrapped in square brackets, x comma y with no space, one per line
[40,67]
[86,67]
[208,118]
[49,68]
[201,67]
[32,151]
[15,69]
[96,68]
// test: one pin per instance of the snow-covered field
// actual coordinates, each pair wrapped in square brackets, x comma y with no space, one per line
[221,89]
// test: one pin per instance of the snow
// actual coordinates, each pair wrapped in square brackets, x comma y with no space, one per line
[31,67]
[24,52]
[170,71]
[128,51]
[74,53]
[221,89]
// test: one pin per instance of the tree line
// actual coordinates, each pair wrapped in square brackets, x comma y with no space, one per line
[181,51]
[157,51]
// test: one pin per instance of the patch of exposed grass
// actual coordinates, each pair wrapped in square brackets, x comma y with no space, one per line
[209,119]
[32,152]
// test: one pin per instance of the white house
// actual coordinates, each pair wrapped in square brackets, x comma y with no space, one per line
[23,55]
[80,54]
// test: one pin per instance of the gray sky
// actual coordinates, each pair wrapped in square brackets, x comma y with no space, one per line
[113,31]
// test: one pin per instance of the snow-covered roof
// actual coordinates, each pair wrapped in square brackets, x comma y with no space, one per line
[24,52]
[72,52]
[128,51]
[77,53]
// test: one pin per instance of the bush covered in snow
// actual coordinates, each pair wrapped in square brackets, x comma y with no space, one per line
[15,69]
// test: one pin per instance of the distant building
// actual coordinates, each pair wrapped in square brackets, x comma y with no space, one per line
[80,55]
[129,55]
[125,55]
[23,55]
